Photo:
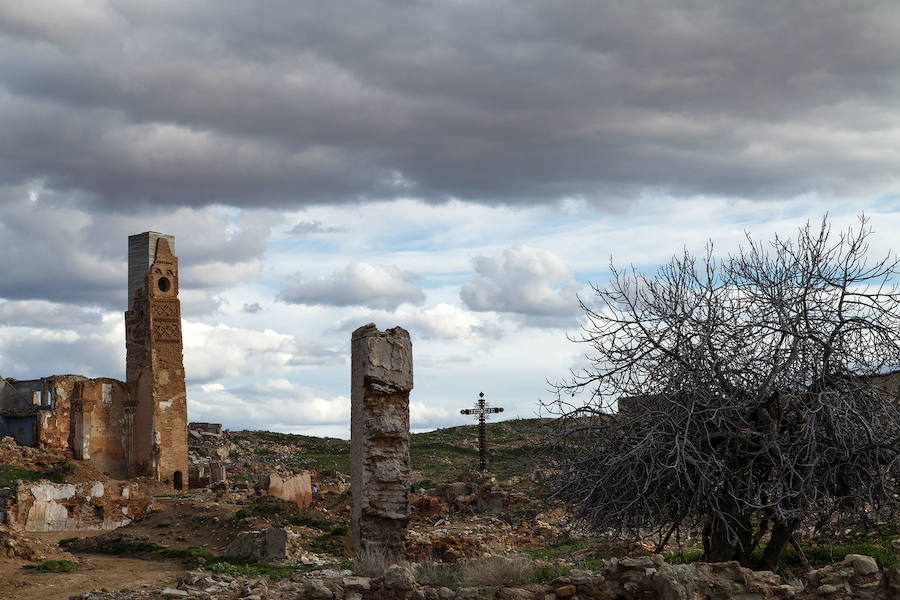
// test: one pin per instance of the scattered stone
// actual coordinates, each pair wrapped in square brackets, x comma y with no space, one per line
[399,577]
[266,545]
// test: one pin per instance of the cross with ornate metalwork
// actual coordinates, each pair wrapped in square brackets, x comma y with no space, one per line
[482,410]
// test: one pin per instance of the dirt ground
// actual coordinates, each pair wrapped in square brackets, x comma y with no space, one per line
[183,522]
[177,523]
[95,572]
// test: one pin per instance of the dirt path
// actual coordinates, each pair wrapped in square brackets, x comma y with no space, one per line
[94,572]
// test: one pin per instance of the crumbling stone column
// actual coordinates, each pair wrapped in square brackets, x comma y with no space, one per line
[381,380]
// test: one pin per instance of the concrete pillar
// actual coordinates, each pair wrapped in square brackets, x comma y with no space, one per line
[381,379]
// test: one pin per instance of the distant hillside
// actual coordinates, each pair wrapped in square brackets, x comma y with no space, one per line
[436,455]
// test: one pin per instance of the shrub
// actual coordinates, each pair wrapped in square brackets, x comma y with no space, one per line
[54,566]
[309,521]
[548,572]
[236,566]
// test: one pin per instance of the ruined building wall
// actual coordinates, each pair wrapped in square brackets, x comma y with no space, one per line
[20,403]
[154,359]
[55,425]
[381,380]
[45,506]
[101,427]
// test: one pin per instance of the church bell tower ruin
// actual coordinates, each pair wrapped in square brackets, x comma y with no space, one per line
[154,361]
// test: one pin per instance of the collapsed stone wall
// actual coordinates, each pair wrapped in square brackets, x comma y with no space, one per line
[54,426]
[214,428]
[381,379]
[626,579]
[292,488]
[46,506]
[102,423]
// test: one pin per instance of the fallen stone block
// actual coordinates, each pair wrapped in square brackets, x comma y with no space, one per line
[265,545]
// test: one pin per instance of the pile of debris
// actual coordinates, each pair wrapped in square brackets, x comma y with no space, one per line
[274,544]
[478,492]
[26,457]
[15,544]
[646,578]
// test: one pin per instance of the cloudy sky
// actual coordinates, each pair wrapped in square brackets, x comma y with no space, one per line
[459,168]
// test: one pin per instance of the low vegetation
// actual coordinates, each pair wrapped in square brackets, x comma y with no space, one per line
[436,455]
[10,474]
[191,557]
[54,566]
[489,571]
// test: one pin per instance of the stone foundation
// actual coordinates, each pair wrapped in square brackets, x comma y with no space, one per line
[44,506]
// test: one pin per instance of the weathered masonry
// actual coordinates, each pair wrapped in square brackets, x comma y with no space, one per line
[154,364]
[381,380]
[126,429]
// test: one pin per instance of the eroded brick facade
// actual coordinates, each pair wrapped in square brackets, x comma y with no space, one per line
[154,360]
[125,429]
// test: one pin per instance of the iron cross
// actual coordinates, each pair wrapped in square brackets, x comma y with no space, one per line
[482,410]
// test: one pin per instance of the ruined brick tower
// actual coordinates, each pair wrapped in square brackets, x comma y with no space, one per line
[154,361]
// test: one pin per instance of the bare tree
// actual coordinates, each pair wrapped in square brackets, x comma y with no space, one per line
[760,390]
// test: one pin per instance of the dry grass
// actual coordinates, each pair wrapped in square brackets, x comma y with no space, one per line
[373,561]
[439,574]
[496,571]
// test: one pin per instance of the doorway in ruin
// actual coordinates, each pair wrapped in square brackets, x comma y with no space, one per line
[179,482]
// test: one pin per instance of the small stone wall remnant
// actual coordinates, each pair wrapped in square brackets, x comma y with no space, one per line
[382,377]
[45,506]
[292,488]
[215,428]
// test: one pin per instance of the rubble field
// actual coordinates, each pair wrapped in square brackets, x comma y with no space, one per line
[472,535]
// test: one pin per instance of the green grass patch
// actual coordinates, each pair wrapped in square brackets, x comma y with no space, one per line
[9,475]
[682,557]
[237,566]
[592,564]
[434,453]
[557,551]
[67,541]
[268,508]
[338,530]
[194,557]
[820,556]
[549,572]
[54,566]
[331,542]
[310,521]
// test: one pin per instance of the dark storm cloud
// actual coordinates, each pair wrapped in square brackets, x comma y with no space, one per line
[287,103]
[55,250]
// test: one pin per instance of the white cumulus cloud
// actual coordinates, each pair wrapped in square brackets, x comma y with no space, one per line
[219,351]
[359,284]
[523,280]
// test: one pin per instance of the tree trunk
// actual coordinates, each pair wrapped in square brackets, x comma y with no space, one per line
[781,537]
[716,545]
